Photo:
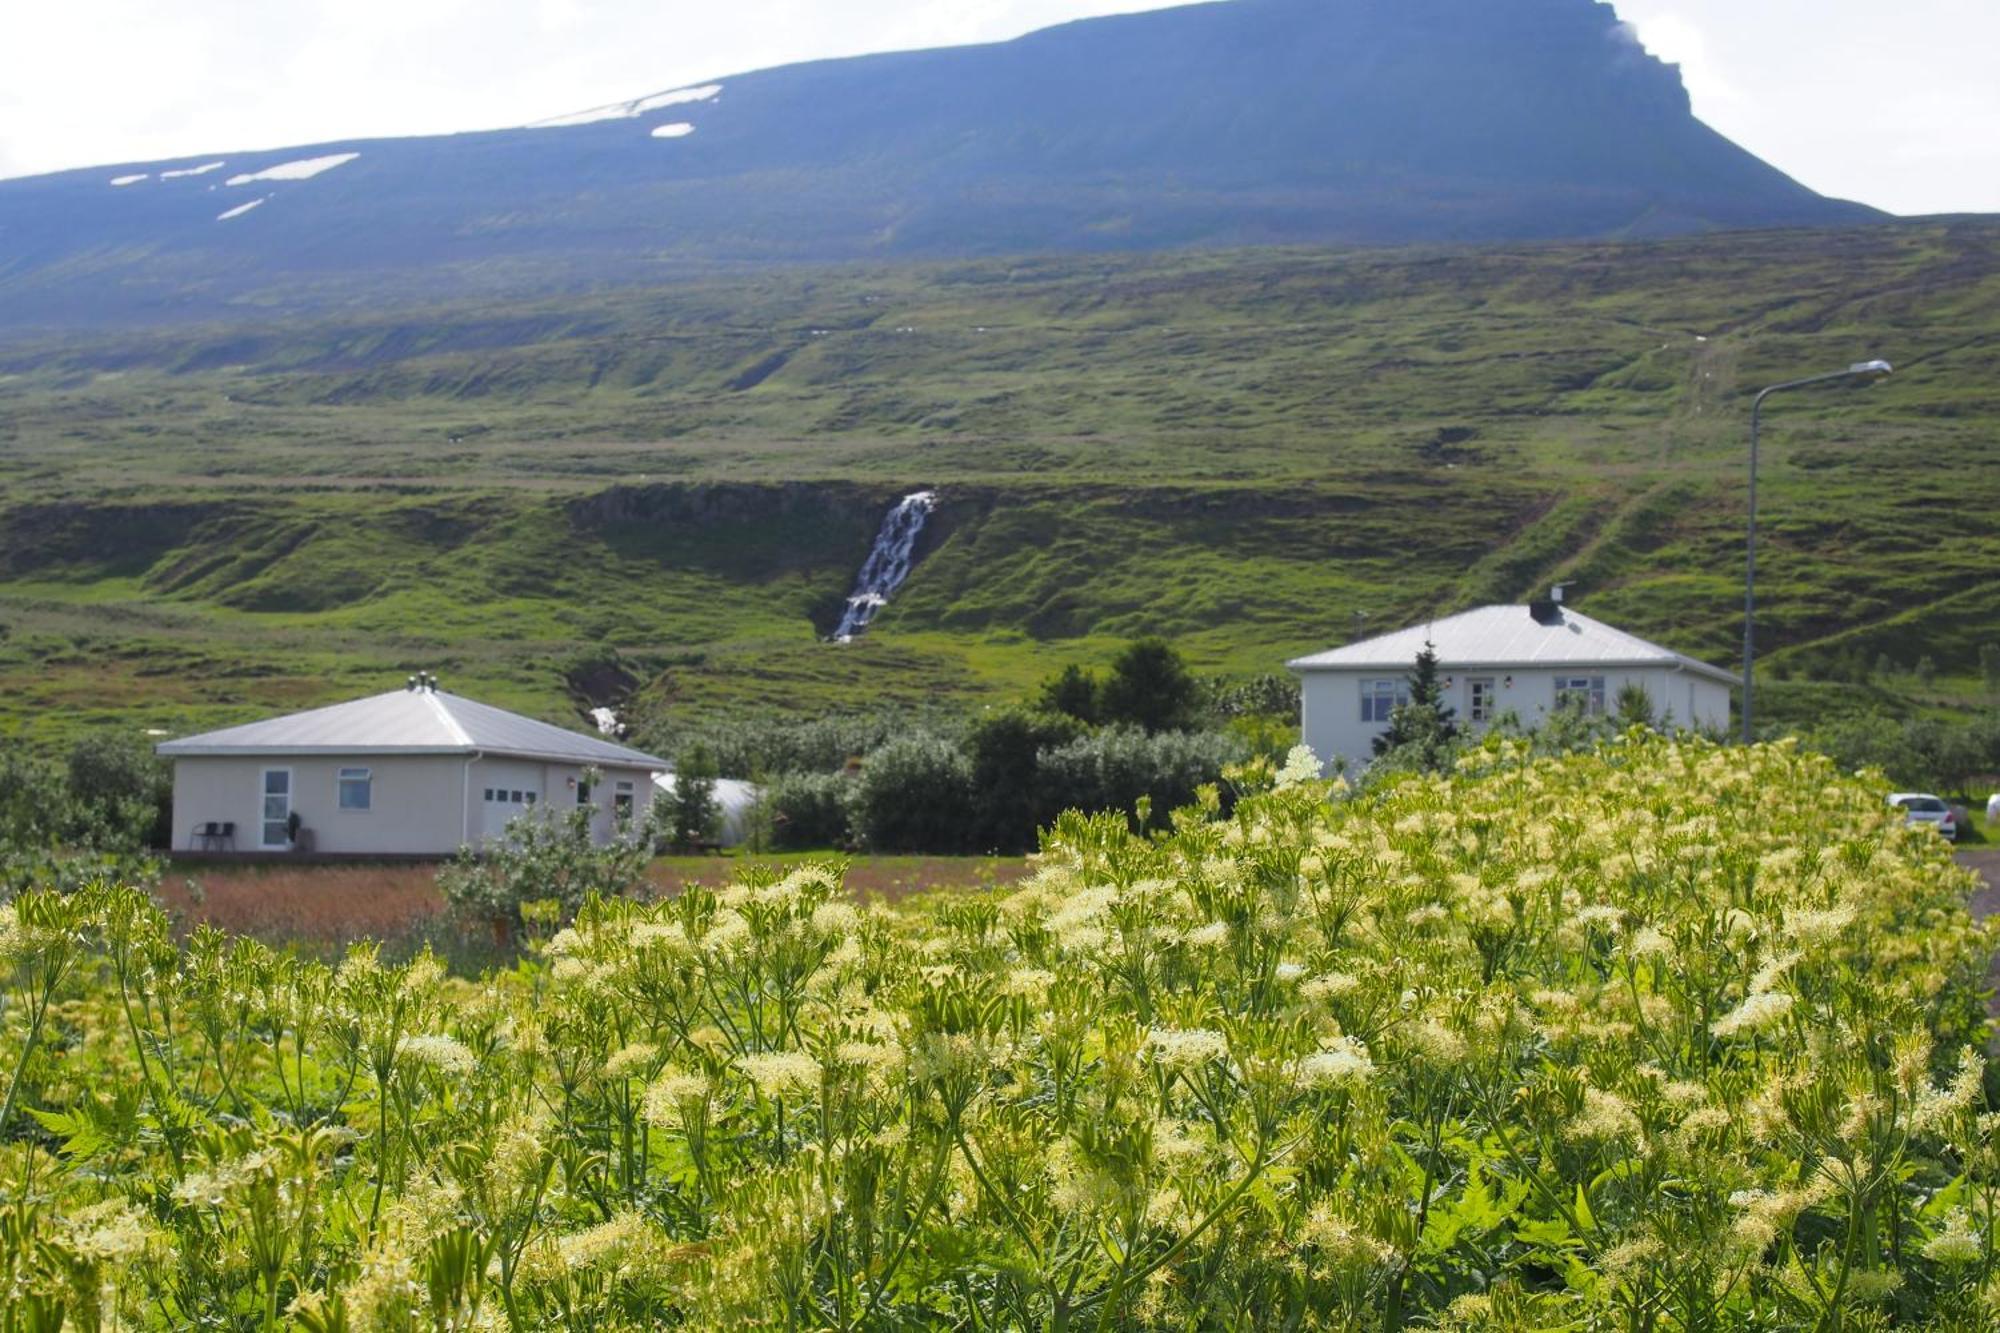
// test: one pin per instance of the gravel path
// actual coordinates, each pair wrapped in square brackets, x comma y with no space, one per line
[1985,902]
[1987,863]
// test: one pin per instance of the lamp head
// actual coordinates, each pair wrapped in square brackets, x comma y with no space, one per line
[1870,368]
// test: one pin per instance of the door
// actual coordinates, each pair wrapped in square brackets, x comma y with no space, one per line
[506,792]
[277,808]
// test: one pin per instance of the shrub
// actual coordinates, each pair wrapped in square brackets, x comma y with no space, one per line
[122,793]
[546,858]
[810,811]
[1115,769]
[1004,750]
[915,795]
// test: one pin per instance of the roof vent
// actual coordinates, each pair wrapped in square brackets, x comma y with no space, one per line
[1546,611]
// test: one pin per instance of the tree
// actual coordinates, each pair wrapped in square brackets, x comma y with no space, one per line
[1005,750]
[1635,706]
[1989,666]
[1074,692]
[1926,669]
[694,814]
[1422,730]
[1885,666]
[1150,687]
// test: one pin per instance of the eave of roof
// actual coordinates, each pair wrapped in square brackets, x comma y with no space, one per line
[187,750]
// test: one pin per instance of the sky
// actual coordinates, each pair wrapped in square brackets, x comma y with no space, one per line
[1896,105]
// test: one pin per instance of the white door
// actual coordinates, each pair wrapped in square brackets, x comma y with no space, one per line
[277,808]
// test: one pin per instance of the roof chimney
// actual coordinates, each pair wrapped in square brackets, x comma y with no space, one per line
[1546,611]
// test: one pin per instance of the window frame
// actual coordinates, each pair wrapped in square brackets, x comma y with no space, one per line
[1590,689]
[1477,709]
[1375,689]
[342,777]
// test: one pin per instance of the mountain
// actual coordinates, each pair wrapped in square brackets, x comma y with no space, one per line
[1244,122]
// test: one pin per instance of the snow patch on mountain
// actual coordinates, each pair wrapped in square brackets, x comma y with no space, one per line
[239,210]
[680,129]
[128,180]
[201,170]
[639,106]
[303,169]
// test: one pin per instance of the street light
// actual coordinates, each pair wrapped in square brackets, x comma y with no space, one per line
[1860,370]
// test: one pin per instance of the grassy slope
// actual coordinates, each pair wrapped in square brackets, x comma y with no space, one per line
[1241,450]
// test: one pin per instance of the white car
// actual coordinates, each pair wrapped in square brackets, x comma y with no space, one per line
[1993,811]
[1923,808]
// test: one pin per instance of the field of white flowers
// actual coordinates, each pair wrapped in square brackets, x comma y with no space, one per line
[1664,1037]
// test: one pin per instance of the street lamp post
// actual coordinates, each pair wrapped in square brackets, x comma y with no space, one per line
[1861,369]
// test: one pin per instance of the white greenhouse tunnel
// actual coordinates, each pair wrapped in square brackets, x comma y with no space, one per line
[736,798]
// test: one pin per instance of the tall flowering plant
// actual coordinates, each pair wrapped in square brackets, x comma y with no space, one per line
[1661,1036]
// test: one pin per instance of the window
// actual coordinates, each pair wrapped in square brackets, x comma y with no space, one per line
[357,789]
[1582,692]
[514,797]
[528,798]
[277,807]
[1479,699]
[621,800]
[489,793]
[1380,697]
[583,791]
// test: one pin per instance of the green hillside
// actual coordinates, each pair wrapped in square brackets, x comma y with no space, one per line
[1242,451]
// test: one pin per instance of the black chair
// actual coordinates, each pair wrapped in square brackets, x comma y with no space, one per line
[228,836]
[205,835]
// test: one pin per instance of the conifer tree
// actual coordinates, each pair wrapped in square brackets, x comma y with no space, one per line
[1422,729]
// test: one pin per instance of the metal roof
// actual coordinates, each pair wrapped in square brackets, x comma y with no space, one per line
[1508,637]
[411,722]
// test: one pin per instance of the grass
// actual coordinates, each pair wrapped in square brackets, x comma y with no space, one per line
[1243,451]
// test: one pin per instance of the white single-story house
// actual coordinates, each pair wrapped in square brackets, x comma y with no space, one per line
[414,772]
[1498,659]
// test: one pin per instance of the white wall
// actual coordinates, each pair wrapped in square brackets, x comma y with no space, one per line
[555,787]
[1331,701]
[420,805]
[416,804]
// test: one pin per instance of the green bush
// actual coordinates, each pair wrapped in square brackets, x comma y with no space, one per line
[546,859]
[1005,749]
[915,795]
[1116,768]
[810,811]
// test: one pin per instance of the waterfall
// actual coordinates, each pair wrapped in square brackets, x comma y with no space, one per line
[887,565]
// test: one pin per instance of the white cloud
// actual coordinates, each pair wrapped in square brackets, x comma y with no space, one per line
[1678,40]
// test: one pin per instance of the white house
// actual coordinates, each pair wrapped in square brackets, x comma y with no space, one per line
[415,772]
[1497,659]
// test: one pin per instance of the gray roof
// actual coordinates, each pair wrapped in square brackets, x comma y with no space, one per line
[1509,637]
[411,722]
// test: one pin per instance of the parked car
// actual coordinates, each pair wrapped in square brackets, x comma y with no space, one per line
[1923,808]
[1993,811]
